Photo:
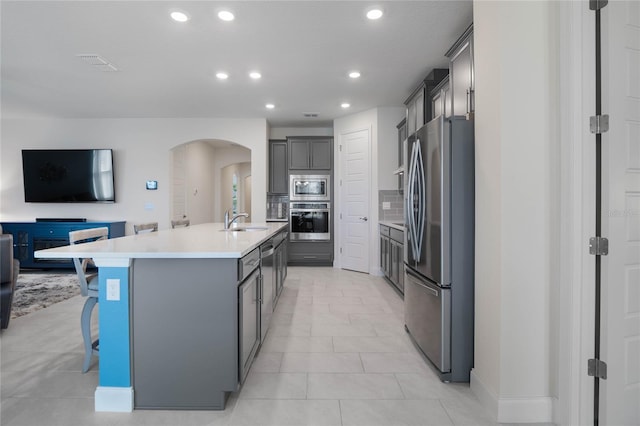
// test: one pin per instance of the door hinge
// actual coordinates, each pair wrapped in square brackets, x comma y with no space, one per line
[598,246]
[597,4]
[340,148]
[599,123]
[340,250]
[597,368]
[340,215]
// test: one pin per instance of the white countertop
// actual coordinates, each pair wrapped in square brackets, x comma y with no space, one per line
[393,224]
[207,240]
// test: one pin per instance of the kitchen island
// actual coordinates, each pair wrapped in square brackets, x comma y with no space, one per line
[177,308]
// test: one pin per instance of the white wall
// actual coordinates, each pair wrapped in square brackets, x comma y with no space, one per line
[388,119]
[283,132]
[375,120]
[141,152]
[200,182]
[223,157]
[515,132]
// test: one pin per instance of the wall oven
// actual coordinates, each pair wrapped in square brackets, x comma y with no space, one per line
[310,221]
[309,188]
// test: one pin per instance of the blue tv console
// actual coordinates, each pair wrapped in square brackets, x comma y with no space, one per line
[31,236]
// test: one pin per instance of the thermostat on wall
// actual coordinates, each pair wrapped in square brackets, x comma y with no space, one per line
[152,184]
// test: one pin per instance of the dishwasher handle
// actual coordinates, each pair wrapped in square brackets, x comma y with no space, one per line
[266,252]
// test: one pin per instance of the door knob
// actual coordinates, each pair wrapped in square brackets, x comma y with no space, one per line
[364,218]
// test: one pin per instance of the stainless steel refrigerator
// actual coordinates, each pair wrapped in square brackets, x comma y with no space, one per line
[439,244]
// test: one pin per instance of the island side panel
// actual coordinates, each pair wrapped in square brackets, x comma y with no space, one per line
[184,332]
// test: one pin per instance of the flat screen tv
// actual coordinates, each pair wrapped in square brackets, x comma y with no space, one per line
[68,175]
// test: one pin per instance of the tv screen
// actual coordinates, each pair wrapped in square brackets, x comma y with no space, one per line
[68,175]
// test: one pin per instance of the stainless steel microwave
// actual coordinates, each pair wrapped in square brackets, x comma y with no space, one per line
[309,188]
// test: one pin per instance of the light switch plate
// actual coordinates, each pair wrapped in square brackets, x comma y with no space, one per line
[113,289]
[386,205]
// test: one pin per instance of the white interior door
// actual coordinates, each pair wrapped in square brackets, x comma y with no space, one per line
[620,397]
[354,200]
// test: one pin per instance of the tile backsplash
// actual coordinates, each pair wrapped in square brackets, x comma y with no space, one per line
[394,197]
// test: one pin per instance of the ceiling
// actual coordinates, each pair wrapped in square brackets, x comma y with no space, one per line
[303,49]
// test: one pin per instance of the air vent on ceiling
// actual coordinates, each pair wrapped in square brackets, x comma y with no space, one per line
[310,114]
[97,62]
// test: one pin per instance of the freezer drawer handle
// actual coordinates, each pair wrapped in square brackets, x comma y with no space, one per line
[429,289]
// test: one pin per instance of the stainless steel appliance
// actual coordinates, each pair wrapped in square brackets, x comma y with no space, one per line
[309,188]
[439,243]
[310,221]
[267,294]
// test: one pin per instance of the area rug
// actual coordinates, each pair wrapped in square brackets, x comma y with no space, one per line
[37,290]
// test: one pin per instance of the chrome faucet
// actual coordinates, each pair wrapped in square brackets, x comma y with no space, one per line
[228,222]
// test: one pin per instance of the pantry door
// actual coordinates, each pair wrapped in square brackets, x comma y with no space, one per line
[620,392]
[355,178]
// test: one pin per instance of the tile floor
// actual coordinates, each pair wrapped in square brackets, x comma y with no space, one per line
[336,354]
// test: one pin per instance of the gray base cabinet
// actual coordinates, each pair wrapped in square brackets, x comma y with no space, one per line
[310,253]
[184,326]
[392,255]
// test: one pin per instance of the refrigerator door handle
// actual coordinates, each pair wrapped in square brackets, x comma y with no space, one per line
[421,199]
[411,214]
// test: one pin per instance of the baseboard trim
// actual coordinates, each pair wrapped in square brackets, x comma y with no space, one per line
[513,410]
[486,397]
[113,399]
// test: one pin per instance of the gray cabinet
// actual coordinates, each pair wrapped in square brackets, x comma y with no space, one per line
[391,255]
[402,136]
[185,324]
[310,253]
[419,105]
[462,78]
[310,153]
[441,99]
[278,167]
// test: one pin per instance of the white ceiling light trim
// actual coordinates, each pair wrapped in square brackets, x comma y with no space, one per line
[374,14]
[225,15]
[345,105]
[269,106]
[354,74]
[179,16]
[255,75]
[222,75]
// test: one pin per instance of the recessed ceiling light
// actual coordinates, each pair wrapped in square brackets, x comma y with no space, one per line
[222,75]
[345,105]
[374,14]
[179,16]
[225,15]
[270,106]
[354,74]
[255,75]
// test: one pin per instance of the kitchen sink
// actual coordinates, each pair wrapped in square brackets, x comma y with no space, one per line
[245,229]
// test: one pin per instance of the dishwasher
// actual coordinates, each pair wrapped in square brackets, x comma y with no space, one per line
[267,292]
[248,311]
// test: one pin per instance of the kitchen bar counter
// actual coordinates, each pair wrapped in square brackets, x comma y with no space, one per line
[208,240]
[171,319]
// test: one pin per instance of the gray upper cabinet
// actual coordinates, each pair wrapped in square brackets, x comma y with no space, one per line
[462,77]
[419,104]
[441,99]
[278,168]
[310,153]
